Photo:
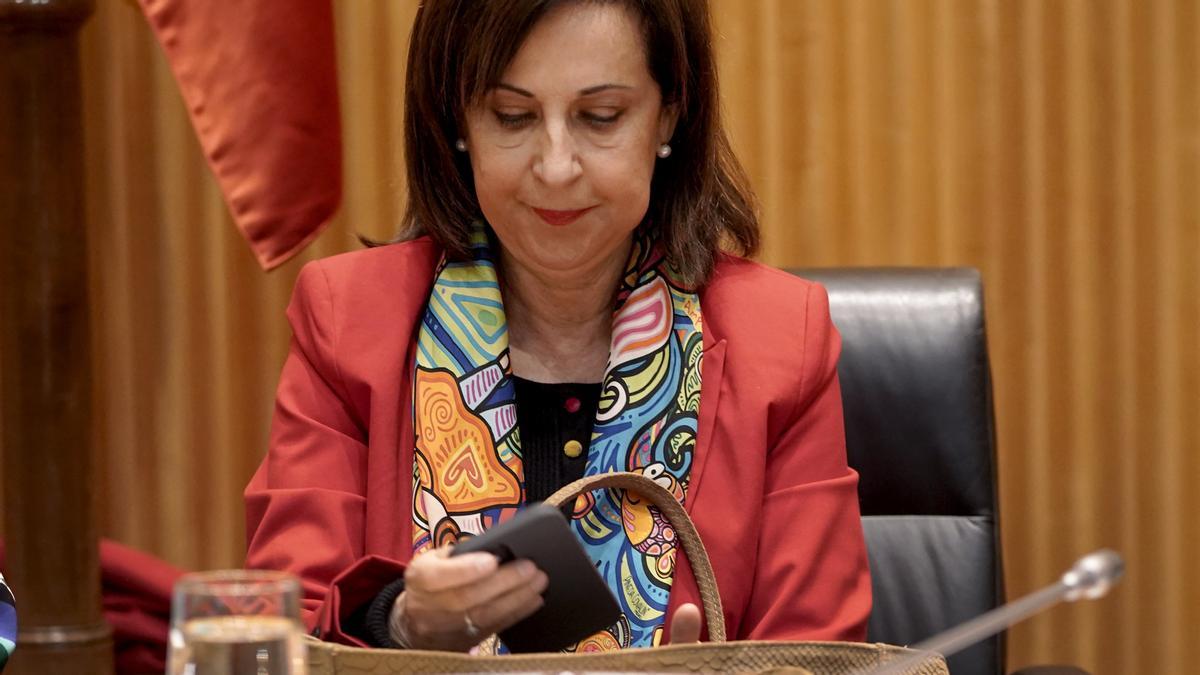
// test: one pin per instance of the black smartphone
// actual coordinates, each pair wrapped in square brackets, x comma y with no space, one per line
[578,602]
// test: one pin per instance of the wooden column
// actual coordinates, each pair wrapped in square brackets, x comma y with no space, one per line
[45,365]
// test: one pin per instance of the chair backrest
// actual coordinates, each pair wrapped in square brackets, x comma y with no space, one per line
[917,395]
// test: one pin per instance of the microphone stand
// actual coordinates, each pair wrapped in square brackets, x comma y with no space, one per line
[1091,577]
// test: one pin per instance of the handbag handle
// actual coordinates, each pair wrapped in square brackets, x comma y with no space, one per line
[685,530]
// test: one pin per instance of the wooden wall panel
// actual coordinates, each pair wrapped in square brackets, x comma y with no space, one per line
[1054,144]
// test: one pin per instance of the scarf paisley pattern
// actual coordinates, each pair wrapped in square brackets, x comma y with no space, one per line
[467,471]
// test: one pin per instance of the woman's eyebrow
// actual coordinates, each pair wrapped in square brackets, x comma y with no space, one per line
[602,87]
[515,90]
[595,89]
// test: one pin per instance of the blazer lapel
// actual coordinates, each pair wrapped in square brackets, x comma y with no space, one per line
[712,370]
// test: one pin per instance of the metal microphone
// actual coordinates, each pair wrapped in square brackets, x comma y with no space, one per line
[1090,578]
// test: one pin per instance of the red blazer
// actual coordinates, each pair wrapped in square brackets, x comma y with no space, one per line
[770,491]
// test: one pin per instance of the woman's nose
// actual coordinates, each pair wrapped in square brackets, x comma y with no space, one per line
[557,162]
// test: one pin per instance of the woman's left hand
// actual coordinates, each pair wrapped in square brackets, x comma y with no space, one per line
[685,624]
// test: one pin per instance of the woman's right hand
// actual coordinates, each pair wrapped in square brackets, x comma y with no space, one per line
[451,604]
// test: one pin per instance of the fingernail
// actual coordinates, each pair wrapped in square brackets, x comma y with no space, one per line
[526,568]
[541,582]
[486,562]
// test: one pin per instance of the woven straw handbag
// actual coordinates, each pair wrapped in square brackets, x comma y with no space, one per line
[717,655]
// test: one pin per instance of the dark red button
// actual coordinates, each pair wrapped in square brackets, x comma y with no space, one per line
[571,404]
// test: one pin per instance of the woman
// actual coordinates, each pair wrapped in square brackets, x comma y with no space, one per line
[561,306]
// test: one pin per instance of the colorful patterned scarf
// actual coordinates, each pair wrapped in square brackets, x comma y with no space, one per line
[8,623]
[467,471]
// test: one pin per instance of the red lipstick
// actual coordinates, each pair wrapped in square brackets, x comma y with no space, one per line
[560,218]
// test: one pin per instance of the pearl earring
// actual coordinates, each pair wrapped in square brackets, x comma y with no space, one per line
[664,151]
[460,145]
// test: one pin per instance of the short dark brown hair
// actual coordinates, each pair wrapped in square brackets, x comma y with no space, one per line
[700,199]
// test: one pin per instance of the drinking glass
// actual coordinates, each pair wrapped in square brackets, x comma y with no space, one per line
[236,622]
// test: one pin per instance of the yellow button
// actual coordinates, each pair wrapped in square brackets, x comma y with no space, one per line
[572,449]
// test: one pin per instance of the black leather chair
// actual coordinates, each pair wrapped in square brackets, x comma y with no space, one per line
[917,394]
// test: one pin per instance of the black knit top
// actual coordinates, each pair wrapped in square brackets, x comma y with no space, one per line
[551,416]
